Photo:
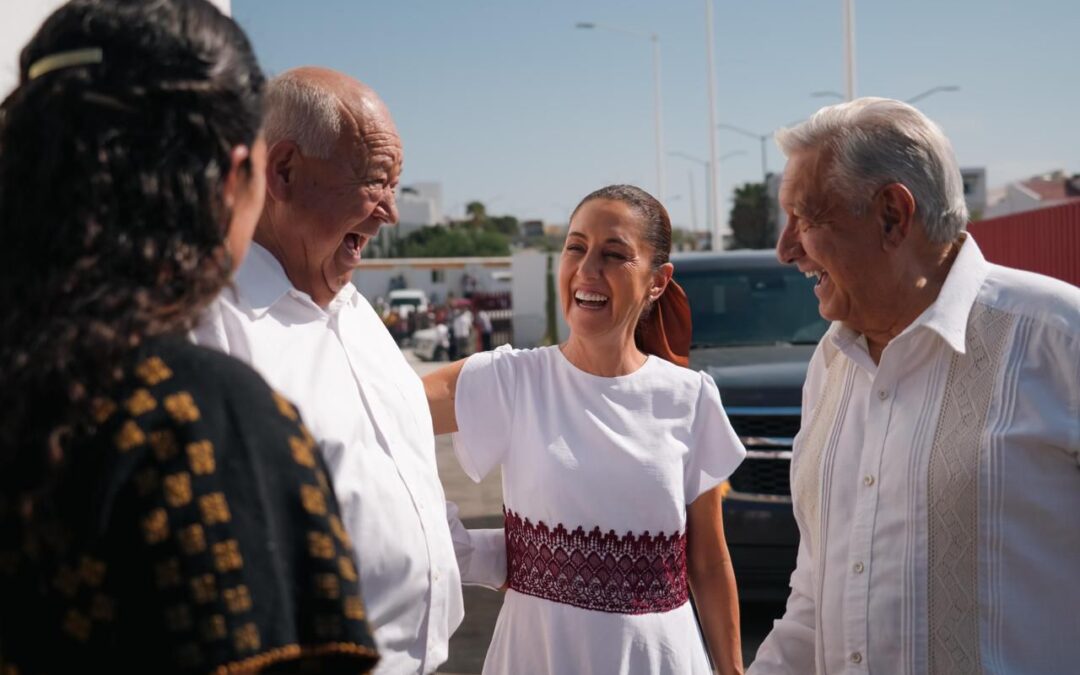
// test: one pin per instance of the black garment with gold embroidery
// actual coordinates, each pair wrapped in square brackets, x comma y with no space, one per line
[204,535]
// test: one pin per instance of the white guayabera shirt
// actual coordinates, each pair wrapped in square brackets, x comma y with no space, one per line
[938,492]
[367,408]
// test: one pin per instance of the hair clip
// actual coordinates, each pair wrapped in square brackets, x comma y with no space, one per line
[75,57]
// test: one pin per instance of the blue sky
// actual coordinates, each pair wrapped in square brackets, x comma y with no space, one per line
[505,102]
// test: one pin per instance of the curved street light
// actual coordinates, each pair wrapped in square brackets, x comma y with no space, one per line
[932,91]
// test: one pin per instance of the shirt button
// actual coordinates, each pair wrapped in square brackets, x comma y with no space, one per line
[858,567]
[868,480]
[882,394]
[856,657]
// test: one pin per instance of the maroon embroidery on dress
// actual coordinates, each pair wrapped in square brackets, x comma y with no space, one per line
[631,574]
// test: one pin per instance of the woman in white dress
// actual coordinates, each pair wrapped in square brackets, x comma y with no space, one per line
[612,455]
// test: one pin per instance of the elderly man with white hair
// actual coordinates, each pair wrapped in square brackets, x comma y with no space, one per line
[936,478]
[333,161]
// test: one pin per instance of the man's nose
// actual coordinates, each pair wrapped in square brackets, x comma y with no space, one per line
[788,247]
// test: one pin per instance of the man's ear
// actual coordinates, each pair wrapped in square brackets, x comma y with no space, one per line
[661,279]
[895,206]
[282,162]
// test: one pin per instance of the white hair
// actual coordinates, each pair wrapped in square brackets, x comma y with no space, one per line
[299,111]
[877,141]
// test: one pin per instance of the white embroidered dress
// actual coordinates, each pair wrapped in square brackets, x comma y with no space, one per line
[619,458]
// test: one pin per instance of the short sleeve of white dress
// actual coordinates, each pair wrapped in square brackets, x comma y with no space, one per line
[484,407]
[715,450]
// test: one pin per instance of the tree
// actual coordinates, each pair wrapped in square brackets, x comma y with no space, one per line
[442,242]
[477,213]
[750,224]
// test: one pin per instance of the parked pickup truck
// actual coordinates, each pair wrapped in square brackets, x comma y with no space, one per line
[755,324]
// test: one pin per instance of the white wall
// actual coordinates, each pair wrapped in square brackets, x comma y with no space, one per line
[373,277]
[529,297]
[20,20]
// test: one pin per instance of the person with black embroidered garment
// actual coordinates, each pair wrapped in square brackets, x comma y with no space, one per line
[161,508]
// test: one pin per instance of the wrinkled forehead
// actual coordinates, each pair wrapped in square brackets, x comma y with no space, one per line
[371,144]
[805,178]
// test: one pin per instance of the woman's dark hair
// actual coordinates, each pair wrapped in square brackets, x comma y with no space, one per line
[112,216]
[655,222]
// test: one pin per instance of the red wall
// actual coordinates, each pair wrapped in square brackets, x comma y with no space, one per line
[1046,241]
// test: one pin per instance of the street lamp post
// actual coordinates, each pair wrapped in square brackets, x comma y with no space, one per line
[711,215]
[657,106]
[713,189]
[761,138]
[933,90]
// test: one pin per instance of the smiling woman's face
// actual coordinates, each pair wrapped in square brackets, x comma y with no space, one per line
[605,272]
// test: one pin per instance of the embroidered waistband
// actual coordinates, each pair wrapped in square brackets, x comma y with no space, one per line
[628,574]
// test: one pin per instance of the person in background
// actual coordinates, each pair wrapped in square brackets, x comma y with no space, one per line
[161,508]
[936,477]
[612,456]
[484,319]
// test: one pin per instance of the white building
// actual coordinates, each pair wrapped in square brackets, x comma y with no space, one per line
[438,277]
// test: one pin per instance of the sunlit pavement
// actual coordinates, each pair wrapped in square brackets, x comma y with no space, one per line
[481,506]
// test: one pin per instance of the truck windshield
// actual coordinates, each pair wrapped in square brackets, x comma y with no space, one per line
[735,307]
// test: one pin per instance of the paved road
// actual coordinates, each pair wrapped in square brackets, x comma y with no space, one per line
[481,506]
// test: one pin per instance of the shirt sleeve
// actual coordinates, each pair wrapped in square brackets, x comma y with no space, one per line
[237,543]
[715,450]
[790,646]
[481,553]
[484,407]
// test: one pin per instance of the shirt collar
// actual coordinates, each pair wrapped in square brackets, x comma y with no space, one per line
[261,282]
[948,314]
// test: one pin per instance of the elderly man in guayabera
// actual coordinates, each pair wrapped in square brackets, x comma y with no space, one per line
[333,161]
[936,479]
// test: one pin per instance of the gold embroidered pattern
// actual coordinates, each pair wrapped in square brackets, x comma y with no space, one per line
[146,481]
[348,570]
[164,445]
[178,490]
[227,556]
[153,371]
[213,628]
[204,588]
[178,618]
[246,638]
[77,625]
[291,653]
[167,573]
[182,407]
[237,599]
[301,452]
[156,526]
[324,483]
[313,499]
[339,531]
[92,571]
[284,407]
[214,508]
[129,436]
[101,409]
[201,456]
[328,586]
[192,540]
[354,608]
[320,545]
[140,403]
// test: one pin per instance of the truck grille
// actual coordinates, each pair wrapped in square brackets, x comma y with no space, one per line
[768,434]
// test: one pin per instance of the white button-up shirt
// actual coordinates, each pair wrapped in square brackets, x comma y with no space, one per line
[937,493]
[366,406]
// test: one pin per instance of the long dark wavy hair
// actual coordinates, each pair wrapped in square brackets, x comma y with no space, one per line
[112,220]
